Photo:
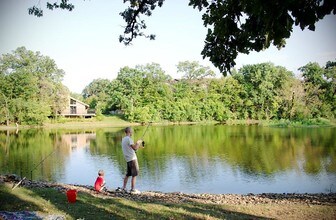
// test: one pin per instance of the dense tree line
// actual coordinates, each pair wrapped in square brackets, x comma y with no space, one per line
[259,91]
[31,91]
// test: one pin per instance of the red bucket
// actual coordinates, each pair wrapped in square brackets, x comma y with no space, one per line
[72,194]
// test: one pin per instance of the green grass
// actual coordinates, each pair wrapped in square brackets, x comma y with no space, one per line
[118,121]
[97,121]
[318,122]
[102,121]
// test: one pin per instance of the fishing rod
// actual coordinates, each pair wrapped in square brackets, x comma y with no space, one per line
[143,142]
[31,172]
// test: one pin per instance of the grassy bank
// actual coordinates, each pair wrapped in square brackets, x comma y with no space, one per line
[90,205]
[104,121]
[117,121]
[317,122]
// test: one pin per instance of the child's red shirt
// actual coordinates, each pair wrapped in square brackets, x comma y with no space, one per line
[99,183]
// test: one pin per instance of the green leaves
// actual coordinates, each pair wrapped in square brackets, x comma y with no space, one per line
[260,91]
[31,90]
[233,26]
[243,26]
[320,87]
[193,70]
[38,11]
[263,83]
[239,26]
[138,90]
[63,5]
[134,24]
[32,86]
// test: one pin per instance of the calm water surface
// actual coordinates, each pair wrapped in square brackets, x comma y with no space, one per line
[191,159]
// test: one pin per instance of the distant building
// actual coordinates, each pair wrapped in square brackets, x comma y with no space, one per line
[76,108]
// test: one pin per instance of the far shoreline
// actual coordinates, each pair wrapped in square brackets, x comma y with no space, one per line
[115,122]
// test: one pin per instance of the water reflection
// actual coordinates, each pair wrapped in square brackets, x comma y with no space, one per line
[77,140]
[215,159]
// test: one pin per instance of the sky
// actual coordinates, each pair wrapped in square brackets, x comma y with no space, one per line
[84,42]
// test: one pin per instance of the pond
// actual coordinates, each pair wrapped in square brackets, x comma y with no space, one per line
[189,158]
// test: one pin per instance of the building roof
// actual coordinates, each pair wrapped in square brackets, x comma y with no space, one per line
[79,101]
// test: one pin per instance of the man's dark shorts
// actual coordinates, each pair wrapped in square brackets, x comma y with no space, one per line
[132,168]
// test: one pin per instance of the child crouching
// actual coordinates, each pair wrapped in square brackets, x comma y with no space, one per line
[100,182]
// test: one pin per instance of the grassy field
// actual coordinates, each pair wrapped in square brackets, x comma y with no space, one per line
[90,205]
[103,121]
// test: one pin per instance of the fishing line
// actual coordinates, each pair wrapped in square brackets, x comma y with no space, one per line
[31,172]
[143,142]
[145,130]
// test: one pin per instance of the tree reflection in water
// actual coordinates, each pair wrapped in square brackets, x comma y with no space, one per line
[193,158]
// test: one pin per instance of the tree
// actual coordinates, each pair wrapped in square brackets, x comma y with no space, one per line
[193,70]
[260,91]
[4,111]
[263,83]
[320,86]
[31,85]
[140,90]
[233,26]
[330,74]
[253,25]
[59,98]
[97,94]
[230,93]
[292,105]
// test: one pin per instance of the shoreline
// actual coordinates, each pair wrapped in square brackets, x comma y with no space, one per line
[94,124]
[328,199]
[50,199]
[121,123]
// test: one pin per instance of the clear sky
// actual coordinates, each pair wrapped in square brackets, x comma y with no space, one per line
[84,43]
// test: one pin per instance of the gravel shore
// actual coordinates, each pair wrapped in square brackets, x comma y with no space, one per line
[179,197]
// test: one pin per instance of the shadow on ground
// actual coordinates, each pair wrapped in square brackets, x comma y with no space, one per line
[92,207]
[88,206]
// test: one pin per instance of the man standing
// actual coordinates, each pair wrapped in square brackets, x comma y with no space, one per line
[129,148]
